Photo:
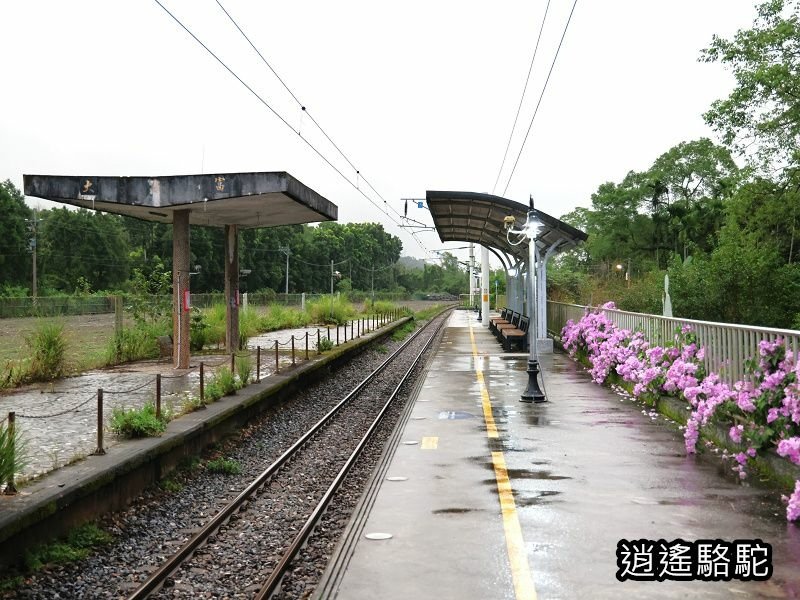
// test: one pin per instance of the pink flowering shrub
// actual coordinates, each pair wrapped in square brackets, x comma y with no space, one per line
[765,406]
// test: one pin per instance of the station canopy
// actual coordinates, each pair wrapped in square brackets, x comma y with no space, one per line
[264,199]
[479,218]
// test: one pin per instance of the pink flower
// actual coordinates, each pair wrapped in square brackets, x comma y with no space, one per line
[741,458]
[735,433]
[793,503]
[790,448]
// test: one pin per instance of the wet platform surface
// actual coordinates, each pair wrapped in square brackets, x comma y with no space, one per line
[584,470]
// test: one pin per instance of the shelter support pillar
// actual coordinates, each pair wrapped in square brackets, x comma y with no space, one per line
[231,288]
[180,289]
[544,343]
[485,286]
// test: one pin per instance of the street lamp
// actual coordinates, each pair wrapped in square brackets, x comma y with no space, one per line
[530,231]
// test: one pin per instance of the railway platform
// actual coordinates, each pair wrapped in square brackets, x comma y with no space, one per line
[485,497]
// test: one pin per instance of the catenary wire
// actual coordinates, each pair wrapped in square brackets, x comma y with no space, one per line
[273,111]
[303,107]
[522,97]
[544,87]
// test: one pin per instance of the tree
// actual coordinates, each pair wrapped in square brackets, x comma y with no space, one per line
[15,264]
[763,110]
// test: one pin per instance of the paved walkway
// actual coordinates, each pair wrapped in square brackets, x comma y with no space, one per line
[538,511]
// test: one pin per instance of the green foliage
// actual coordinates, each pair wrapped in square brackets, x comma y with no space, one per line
[330,309]
[325,344]
[150,300]
[136,343]
[244,368]
[225,466]
[48,348]
[404,331]
[223,383]
[197,330]
[249,325]
[380,307]
[78,545]
[381,349]
[138,423]
[762,111]
[215,319]
[283,317]
[429,313]
[171,485]
[15,261]
[12,453]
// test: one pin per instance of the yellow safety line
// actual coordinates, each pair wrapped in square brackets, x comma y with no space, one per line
[524,588]
[488,417]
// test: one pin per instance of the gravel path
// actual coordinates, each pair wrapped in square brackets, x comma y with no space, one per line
[159,521]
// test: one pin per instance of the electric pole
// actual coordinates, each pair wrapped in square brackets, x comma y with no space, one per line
[287,251]
[33,227]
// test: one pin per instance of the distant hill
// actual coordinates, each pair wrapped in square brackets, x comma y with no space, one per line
[411,263]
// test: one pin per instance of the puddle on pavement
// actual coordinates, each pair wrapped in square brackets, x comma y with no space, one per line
[538,498]
[455,511]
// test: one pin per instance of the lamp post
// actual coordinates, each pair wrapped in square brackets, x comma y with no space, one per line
[533,392]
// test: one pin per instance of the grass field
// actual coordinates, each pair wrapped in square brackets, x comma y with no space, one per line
[87,339]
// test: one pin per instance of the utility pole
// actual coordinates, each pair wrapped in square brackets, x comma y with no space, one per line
[471,271]
[287,251]
[33,227]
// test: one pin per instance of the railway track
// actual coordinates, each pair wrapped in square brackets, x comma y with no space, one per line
[248,546]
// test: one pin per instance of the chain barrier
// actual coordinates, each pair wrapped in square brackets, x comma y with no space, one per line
[58,414]
[133,389]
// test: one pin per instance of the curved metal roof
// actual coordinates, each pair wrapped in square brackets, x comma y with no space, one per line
[476,217]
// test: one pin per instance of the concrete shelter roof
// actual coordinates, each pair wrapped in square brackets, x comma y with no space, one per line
[476,217]
[248,200]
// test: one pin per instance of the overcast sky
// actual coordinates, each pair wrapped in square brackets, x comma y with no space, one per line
[419,95]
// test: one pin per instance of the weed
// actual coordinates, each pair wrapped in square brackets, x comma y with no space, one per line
[192,403]
[12,453]
[382,307]
[135,343]
[402,333]
[283,317]
[138,423]
[325,344]
[9,584]
[381,348]
[330,309]
[170,485]
[244,368]
[48,352]
[78,545]
[225,466]
[428,313]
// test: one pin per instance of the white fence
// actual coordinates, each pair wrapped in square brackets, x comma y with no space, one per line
[727,346]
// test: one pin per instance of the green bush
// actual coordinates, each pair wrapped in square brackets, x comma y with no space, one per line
[138,423]
[225,466]
[197,330]
[222,383]
[325,344]
[48,349]
[12,453]
[381,307]
[136,343]
[331,310]
[244,368]
[283,317]
[402,333]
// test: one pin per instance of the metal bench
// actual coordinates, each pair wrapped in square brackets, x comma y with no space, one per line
[503,318]
[516,335]
[513,324]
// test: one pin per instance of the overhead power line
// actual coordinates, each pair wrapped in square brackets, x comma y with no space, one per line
[522,97]
[273,111]
[544,87]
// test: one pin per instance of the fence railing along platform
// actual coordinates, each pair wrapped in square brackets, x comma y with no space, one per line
[727,345]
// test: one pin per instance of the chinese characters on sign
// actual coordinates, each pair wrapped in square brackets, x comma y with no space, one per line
[219,183]
[706,560]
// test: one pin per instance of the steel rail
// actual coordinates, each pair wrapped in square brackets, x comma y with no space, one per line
[157,577]
[302,536]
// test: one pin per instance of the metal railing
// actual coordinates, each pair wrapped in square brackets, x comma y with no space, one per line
[727,345]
